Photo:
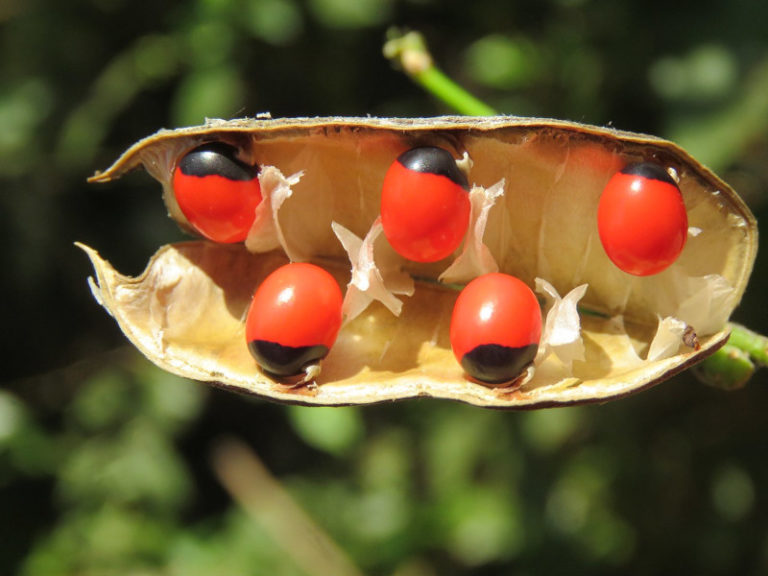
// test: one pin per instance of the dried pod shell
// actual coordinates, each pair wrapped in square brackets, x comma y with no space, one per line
[185,312]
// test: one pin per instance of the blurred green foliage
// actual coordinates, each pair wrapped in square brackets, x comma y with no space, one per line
[105,462]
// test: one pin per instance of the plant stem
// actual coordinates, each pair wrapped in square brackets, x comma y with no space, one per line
[410,52]
[733,365]
[264,499]
[730,368]
[752,343]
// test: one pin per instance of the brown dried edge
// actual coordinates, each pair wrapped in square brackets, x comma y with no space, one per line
[716,341]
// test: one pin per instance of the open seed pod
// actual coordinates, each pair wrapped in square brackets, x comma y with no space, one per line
[186,311]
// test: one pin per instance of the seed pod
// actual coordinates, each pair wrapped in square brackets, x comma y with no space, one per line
[185,312]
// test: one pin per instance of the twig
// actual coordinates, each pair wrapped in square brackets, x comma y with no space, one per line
[731,367]
[752,343]
[410,52]
[263,498]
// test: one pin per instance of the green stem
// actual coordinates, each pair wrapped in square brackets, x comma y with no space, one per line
[410,52]
[752,343]
[436,82]
[729,368]
[733,365]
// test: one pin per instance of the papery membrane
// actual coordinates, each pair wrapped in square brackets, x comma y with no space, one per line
[475,258]
[561,333]
[709,303]
[266,233]
[667,340]
[367,281]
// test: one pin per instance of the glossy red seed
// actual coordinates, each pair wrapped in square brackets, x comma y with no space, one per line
[294,318]
[642,220]
[425,205]
[217,193]
[495,328]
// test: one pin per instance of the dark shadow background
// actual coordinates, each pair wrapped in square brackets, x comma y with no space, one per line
[105,461]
